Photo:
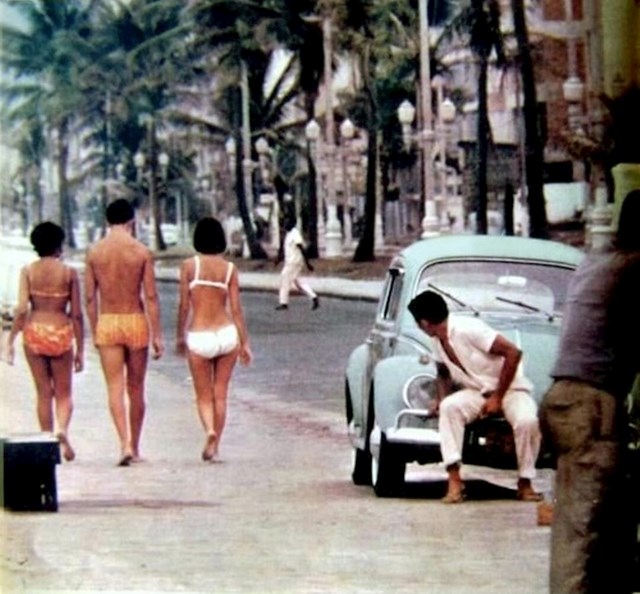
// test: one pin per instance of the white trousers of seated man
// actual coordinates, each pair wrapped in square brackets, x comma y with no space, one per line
[463,407]
[290,279]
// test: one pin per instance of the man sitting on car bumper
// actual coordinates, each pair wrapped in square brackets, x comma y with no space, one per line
[472,355]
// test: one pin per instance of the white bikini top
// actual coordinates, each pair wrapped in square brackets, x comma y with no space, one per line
[198,282]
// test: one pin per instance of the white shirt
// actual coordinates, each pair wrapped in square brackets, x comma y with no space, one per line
[292,243]
[471,339]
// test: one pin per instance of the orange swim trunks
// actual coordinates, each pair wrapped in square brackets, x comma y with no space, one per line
[47,339]
[127,330]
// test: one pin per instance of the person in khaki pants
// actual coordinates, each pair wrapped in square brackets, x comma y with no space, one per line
[294,258]
[584,418]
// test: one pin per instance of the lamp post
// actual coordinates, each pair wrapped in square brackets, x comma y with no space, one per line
[446,115]
[347,132]
[333,236]
[268,200]
[430,225]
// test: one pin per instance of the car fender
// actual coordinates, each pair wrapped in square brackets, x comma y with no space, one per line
[390,376]
[357,382]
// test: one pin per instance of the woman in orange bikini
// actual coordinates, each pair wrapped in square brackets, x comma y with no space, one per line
[49,315]
[217,335]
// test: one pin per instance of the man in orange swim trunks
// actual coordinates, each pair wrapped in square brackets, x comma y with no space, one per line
[124,316]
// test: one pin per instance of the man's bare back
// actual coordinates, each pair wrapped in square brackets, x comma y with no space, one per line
[120,279]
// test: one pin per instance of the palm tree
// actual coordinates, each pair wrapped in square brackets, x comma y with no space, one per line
[247,33]
[479,22]
[235,34]
[129,88]
[380,35]
[43,60]
[534,157]
[299,30]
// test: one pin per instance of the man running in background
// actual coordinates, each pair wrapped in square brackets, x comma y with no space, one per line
[124,316]
[294,258]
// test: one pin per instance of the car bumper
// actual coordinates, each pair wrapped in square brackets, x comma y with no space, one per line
[411,444]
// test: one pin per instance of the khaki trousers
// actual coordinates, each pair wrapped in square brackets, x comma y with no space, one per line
[593,533]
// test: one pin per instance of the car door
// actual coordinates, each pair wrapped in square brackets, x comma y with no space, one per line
[383,336]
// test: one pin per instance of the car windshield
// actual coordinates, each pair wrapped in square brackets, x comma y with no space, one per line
[498,286]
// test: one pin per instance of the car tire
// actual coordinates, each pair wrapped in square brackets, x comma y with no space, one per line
[387,471]
[361,474]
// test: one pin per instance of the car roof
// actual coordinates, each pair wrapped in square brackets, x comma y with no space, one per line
[490,246]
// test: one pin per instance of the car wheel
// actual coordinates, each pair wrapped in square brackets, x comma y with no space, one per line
[361,474]
[387,471]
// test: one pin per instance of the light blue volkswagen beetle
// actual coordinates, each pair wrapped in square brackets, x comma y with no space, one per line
[517,285]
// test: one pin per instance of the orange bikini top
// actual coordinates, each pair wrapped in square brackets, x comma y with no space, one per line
[55,294]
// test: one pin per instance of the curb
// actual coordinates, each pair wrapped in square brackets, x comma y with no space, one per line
[325,286]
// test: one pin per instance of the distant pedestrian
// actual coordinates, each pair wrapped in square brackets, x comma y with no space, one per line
[124,314]
[479,374]
[49,315]
[211,328]
[584,418]
[295,256]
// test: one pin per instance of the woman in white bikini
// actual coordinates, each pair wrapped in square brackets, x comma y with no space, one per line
[49,315]
[211,329]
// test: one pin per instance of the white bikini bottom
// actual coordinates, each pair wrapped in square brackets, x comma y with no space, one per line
[213,343]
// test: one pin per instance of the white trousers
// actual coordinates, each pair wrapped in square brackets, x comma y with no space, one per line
[290,279]
[520,410]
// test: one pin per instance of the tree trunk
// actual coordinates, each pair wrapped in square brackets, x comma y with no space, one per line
[66,215]
[365,250]
[534,150]
[482,153]
[256,251]
[153,188]
[312,249]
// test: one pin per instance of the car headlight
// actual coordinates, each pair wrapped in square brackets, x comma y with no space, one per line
[420,392]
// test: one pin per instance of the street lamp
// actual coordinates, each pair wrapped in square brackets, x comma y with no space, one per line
[347,132]
[406,115]
[263,150]
[333,236]
[446,115]
[268,203]
[430,225]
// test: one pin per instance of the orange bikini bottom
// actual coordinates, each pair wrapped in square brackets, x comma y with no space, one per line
[47,339]
[127,330]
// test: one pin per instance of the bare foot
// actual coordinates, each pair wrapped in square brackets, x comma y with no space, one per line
[210,447]
[125,460]
[526,492]
[67,451]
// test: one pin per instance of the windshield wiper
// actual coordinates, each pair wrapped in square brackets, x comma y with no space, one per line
[550,315]
[454,299]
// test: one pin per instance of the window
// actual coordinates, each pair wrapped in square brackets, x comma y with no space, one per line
[390,302]
[498,285]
